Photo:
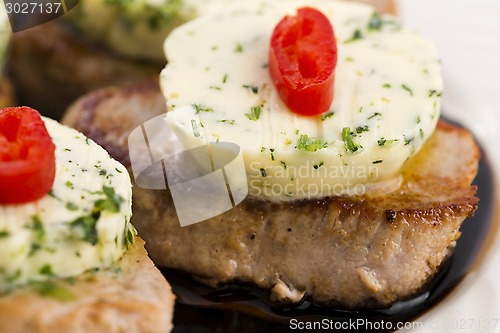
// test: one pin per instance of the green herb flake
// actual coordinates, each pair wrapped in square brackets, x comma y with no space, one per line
[387,85]
[375,22]
[347,137]
[226,121]
[377,161]
[376,114]
[405,87]
[38,228]
[355,36]
[254,89]
[69,185]
[310,144]
[215,88]
[433,92]
[46,270]
[361,129]
[4,234]
[52,290]
[262,149]
[112,201]
[88,224]
[284,164]
[317,166]
[383,142]
[263,172]
[130,237]
[421,132]
[254,112]
[238,48]
[327,115]
[71,206]
[118,170]
[224,79]
[201,108]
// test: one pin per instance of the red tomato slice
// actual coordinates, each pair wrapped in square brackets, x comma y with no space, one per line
[27,156]
[302,60]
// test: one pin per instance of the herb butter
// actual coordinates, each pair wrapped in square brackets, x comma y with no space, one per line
[387,98]
[81,224]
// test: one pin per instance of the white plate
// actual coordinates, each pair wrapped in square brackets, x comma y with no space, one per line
[467,34]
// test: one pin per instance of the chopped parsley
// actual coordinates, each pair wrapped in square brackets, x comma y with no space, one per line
[361,129]
[4,234]
[71,206]
[263,172]
[254,112]
[382,142]
[387,85]
[238,48]
[327,115]
[375,115]
[433,92]
[377,161]
[53,290]
[88,223]
[226,121]
[375,22]
[355,36]
[46,270]
[310,144]
[317,166]
[254,89]
[405,87]
[201,108]
[347,137]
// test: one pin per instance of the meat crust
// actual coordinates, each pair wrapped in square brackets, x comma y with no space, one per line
[351,252]
[132,298]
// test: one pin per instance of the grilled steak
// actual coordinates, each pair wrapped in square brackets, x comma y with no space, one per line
[50,67]
[352,252]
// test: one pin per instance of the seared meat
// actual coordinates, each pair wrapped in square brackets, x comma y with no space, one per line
[50,67]
[352,252]
[134,298]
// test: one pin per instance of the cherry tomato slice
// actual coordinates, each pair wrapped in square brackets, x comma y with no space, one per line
[27,156]
[302,60]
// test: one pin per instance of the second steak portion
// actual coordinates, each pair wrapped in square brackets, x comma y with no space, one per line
[351,252]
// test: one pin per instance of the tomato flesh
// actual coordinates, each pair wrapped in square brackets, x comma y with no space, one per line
[27,156]
[302,61]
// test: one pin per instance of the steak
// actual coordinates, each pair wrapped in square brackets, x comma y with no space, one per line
[349,252]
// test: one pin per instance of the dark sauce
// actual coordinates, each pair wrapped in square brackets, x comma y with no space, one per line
[244,308]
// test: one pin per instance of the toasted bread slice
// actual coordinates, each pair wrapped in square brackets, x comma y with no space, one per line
[131,297]
[352,252]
